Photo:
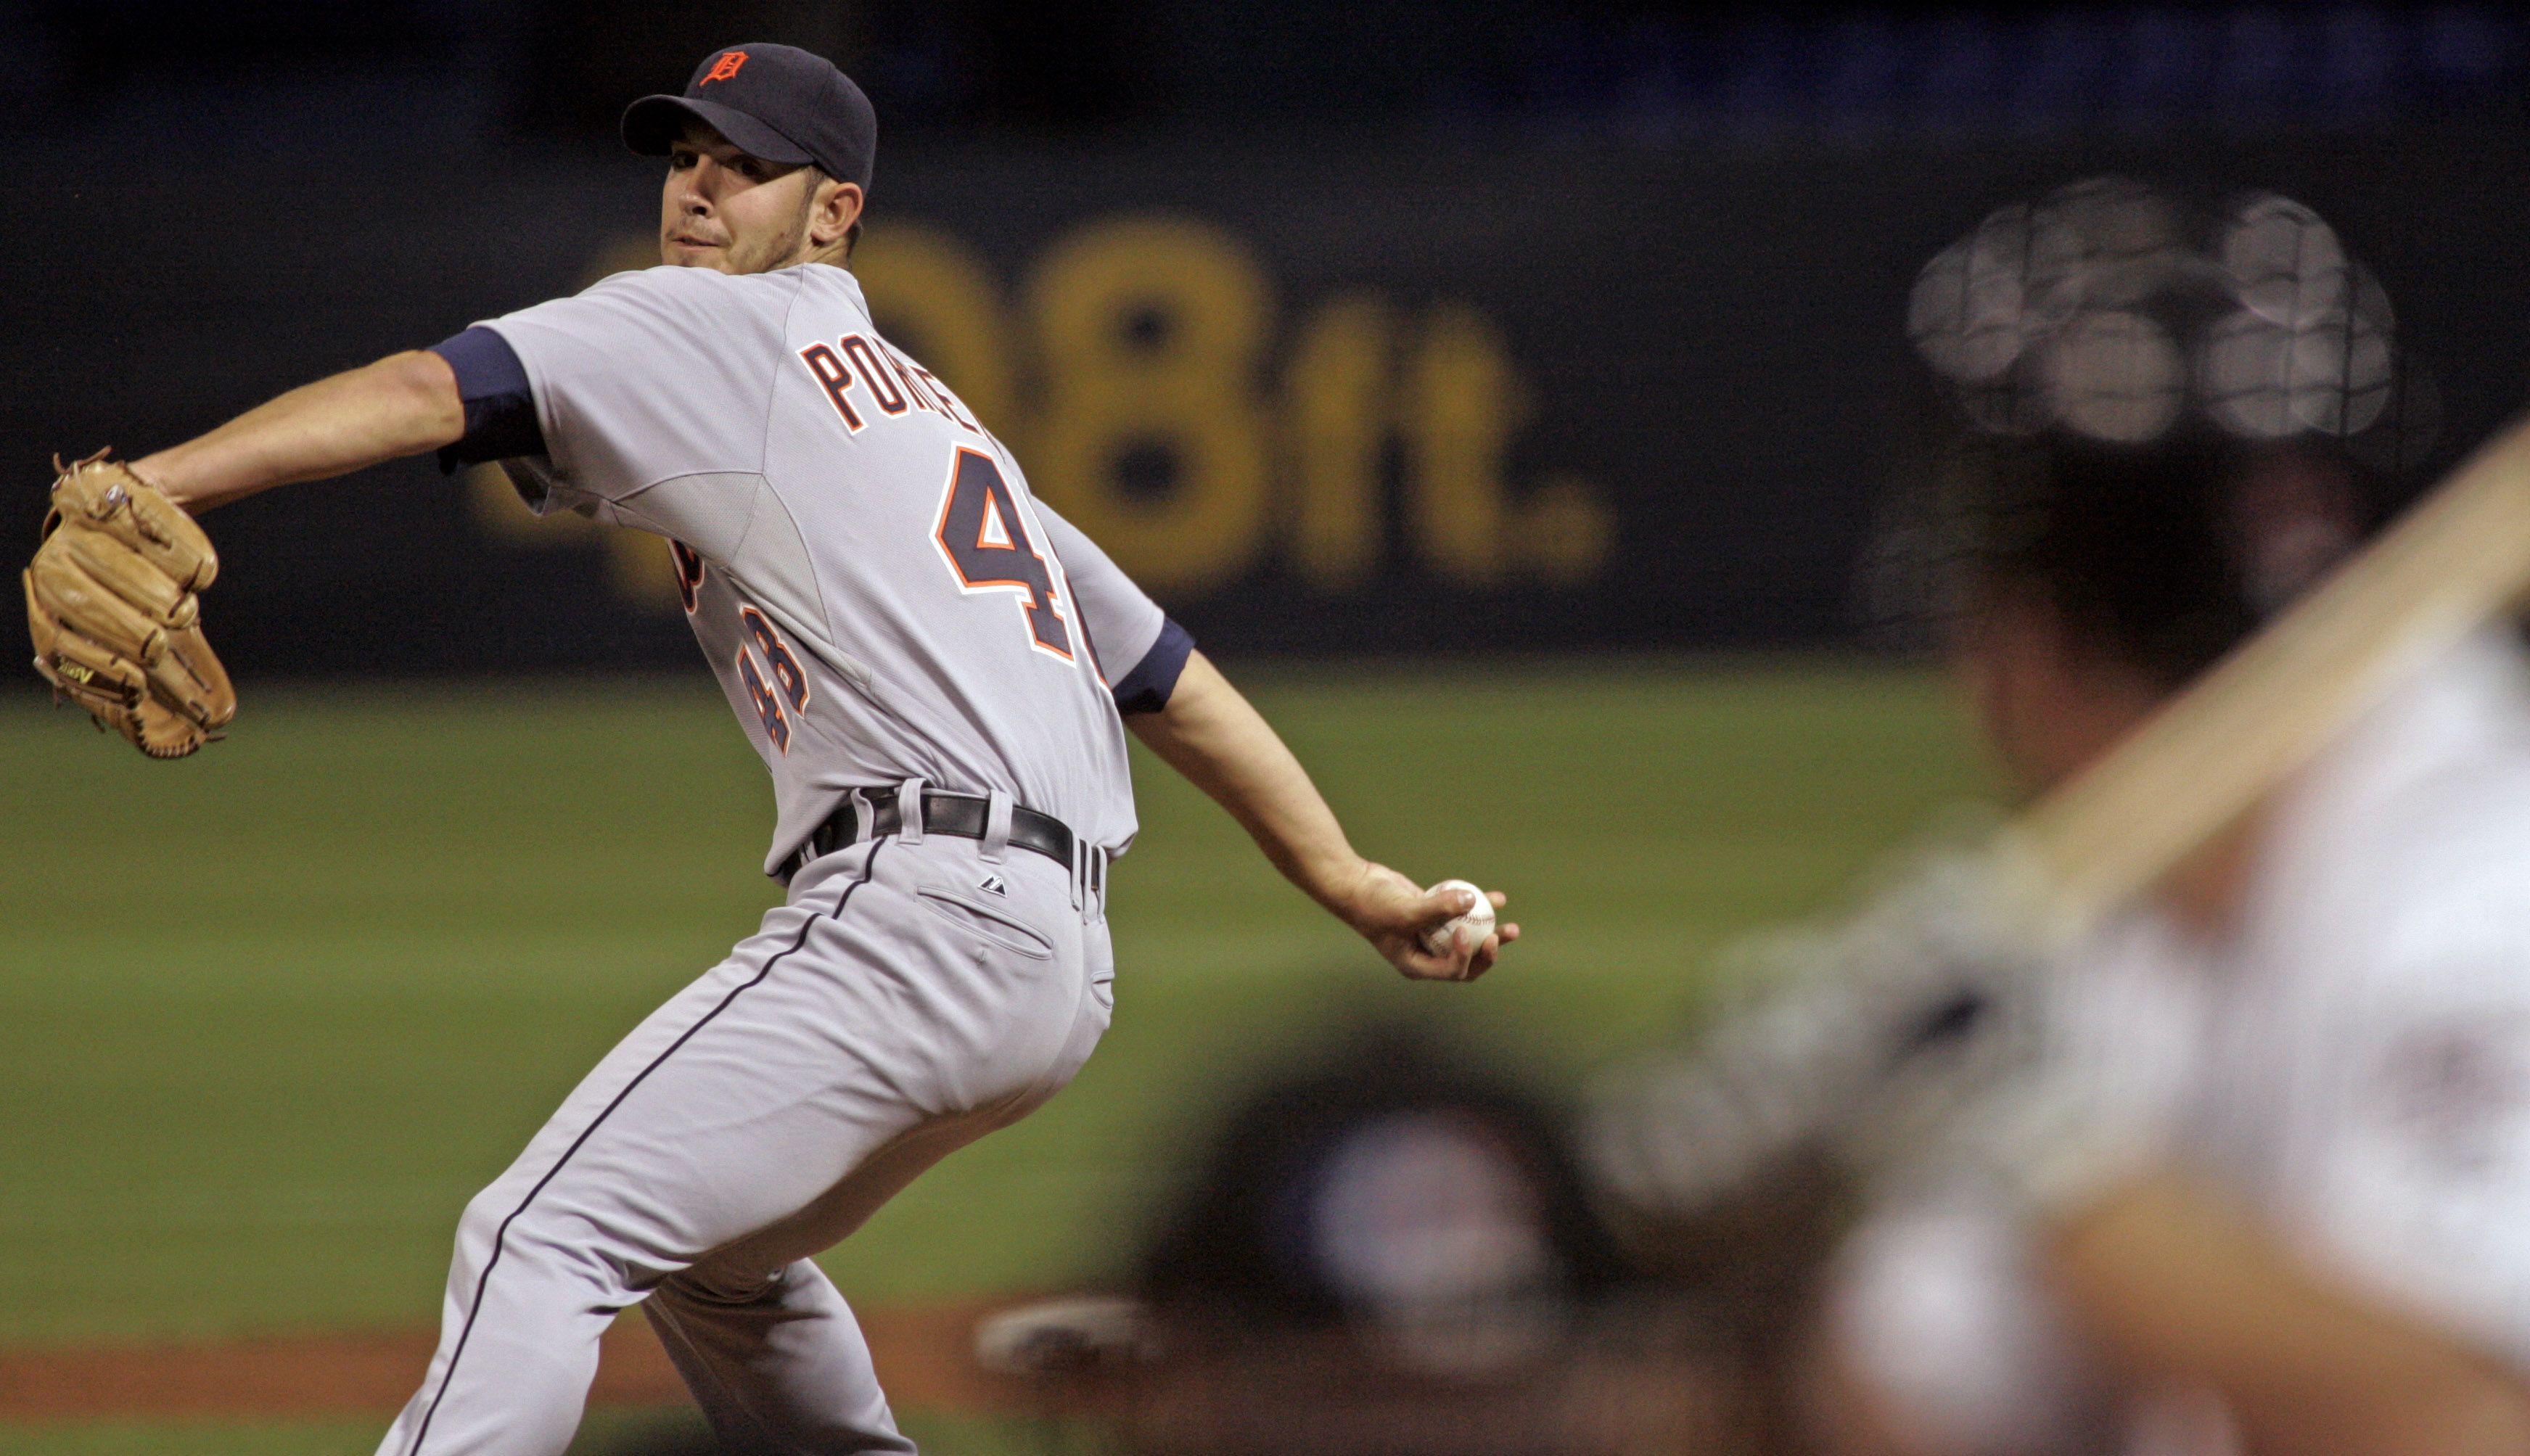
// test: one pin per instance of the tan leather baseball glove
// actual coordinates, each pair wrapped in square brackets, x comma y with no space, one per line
[110,602]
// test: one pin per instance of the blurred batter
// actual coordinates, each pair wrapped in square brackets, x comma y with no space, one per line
[2295,1216]
[2316,1045]
[2249,1168]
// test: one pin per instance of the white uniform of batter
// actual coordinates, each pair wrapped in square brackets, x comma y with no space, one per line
[2355,1066]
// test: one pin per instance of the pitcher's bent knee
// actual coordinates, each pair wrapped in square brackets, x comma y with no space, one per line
[720,1284]
[512,1241]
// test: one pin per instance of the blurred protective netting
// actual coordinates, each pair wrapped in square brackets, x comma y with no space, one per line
[2112,318]
[2114,310]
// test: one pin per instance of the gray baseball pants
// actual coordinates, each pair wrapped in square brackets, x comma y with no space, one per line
[911,994]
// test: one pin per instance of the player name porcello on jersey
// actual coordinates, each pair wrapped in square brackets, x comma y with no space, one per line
[982,535]
[889,382]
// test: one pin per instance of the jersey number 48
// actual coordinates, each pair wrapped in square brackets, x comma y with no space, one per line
[987,545]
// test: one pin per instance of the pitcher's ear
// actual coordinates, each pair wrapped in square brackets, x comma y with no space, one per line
[836,210]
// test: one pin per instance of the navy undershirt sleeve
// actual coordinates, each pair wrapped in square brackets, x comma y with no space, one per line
[500,408]
[1146,688]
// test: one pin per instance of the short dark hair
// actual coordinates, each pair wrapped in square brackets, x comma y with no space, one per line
[2163,556]
[2165,417]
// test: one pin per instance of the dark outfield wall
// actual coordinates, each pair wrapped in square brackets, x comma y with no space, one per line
[1321,397]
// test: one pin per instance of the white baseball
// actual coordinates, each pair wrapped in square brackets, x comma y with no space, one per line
[1462,933]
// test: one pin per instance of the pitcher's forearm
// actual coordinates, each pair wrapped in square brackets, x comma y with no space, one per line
[1210,733]
[403,405]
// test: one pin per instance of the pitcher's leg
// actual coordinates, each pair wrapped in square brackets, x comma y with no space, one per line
[777,1357]
[754,1119]
[538,1324]
[777,1361]
[705,1123]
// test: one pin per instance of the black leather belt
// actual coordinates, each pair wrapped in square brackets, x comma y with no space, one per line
[960,816]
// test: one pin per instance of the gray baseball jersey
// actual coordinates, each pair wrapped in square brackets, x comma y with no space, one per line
[884,602]
[864,564]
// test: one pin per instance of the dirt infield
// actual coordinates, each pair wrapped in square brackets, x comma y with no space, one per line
[924,1356]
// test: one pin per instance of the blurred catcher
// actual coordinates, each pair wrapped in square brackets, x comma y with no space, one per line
[1392,1252]
[2234,1154]
[111,605]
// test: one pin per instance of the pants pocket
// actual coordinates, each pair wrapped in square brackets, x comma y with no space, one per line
[987,922]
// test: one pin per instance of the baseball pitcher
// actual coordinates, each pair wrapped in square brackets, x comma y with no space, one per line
[935,668]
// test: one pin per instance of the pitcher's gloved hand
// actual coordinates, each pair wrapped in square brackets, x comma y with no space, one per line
[111,606]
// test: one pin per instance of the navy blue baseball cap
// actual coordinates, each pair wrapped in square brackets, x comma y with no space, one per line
[777,103]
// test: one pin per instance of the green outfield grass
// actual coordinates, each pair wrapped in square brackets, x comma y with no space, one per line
[268,1017]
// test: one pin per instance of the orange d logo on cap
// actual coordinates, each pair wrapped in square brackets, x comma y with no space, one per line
[777,102]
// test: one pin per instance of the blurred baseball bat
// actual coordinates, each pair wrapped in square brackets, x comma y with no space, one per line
[2454,560]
